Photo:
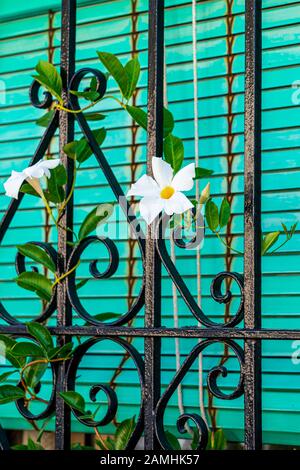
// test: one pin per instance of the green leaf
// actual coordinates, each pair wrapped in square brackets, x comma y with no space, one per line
[27,349]
[37,283]
[9,393]
[217,440]
[31,445]
[74,400]
[97,216]
[195,439]
[173,441]
[138,115]
[55,185]
[268,241]
[285,229]
[4,377]
[293,229]
[8,341]
[87,95]
[94,117]
[124,432]
[202,173]
[37,254]
[80,149]
[19,447]
[116,69]
[212,215]
[174,152]
[168,122]
[45,120]
[70,149]
[49,78]
[41,334]
[224,215]
[104,317]
[26,188]
[132,70]
[61,352]
[34,373]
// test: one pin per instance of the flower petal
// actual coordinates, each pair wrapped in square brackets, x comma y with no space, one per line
[13,184]
[41,168]
[162,172]
[177,204]
[145,186]
[150,208]
[183,180]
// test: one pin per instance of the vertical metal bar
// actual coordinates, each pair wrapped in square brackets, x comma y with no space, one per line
[252,259]
[66,122]
[152,260]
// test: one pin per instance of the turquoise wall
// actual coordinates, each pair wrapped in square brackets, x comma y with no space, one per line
[29,32]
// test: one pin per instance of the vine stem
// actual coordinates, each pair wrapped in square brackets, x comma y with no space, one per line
[58,279]
[99,437]
[64,204]
[227,246]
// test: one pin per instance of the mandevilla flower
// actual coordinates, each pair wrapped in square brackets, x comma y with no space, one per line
[32,175]
[164,191]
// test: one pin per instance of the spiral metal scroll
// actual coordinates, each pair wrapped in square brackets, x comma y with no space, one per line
[216,285]
[43,102]
[110,393]
[15,203]
[212,377]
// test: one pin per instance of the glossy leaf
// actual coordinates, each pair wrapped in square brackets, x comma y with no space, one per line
[26,349]
[80,149]
[115,68]
[138,115]
[132,70]
[268,241]
[212,215]
[31,445]
[6,375]
[41,334]
[173,441]
[34,373]
[61,352]
[37,254]
[49,78]
[74,400]
[202,173]
[174,152]
[217,440]
[97,216]
[37,283]
[123,433]
[87,95]
[26,188]
[55,184]
[94,116]
[168,122]
[45,120]
[9,393]
[224,215]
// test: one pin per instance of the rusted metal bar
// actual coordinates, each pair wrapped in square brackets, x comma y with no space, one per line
[252,258]
[152,260]
[66,125]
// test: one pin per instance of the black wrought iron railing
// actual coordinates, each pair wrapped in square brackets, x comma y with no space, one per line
[150,422]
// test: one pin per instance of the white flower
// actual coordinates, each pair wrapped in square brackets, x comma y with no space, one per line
[164,192]
[31,174]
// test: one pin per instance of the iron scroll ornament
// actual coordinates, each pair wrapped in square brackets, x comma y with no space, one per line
[45,103]
[112,400]
[213,387]
[216,284]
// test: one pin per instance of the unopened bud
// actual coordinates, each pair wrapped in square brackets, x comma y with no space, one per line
[205,194]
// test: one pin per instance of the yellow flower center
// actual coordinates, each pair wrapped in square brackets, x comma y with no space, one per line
[167,192]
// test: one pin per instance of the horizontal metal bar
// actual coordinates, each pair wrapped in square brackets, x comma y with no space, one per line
[187,332]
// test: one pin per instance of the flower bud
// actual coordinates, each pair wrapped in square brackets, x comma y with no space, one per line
[205,194]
